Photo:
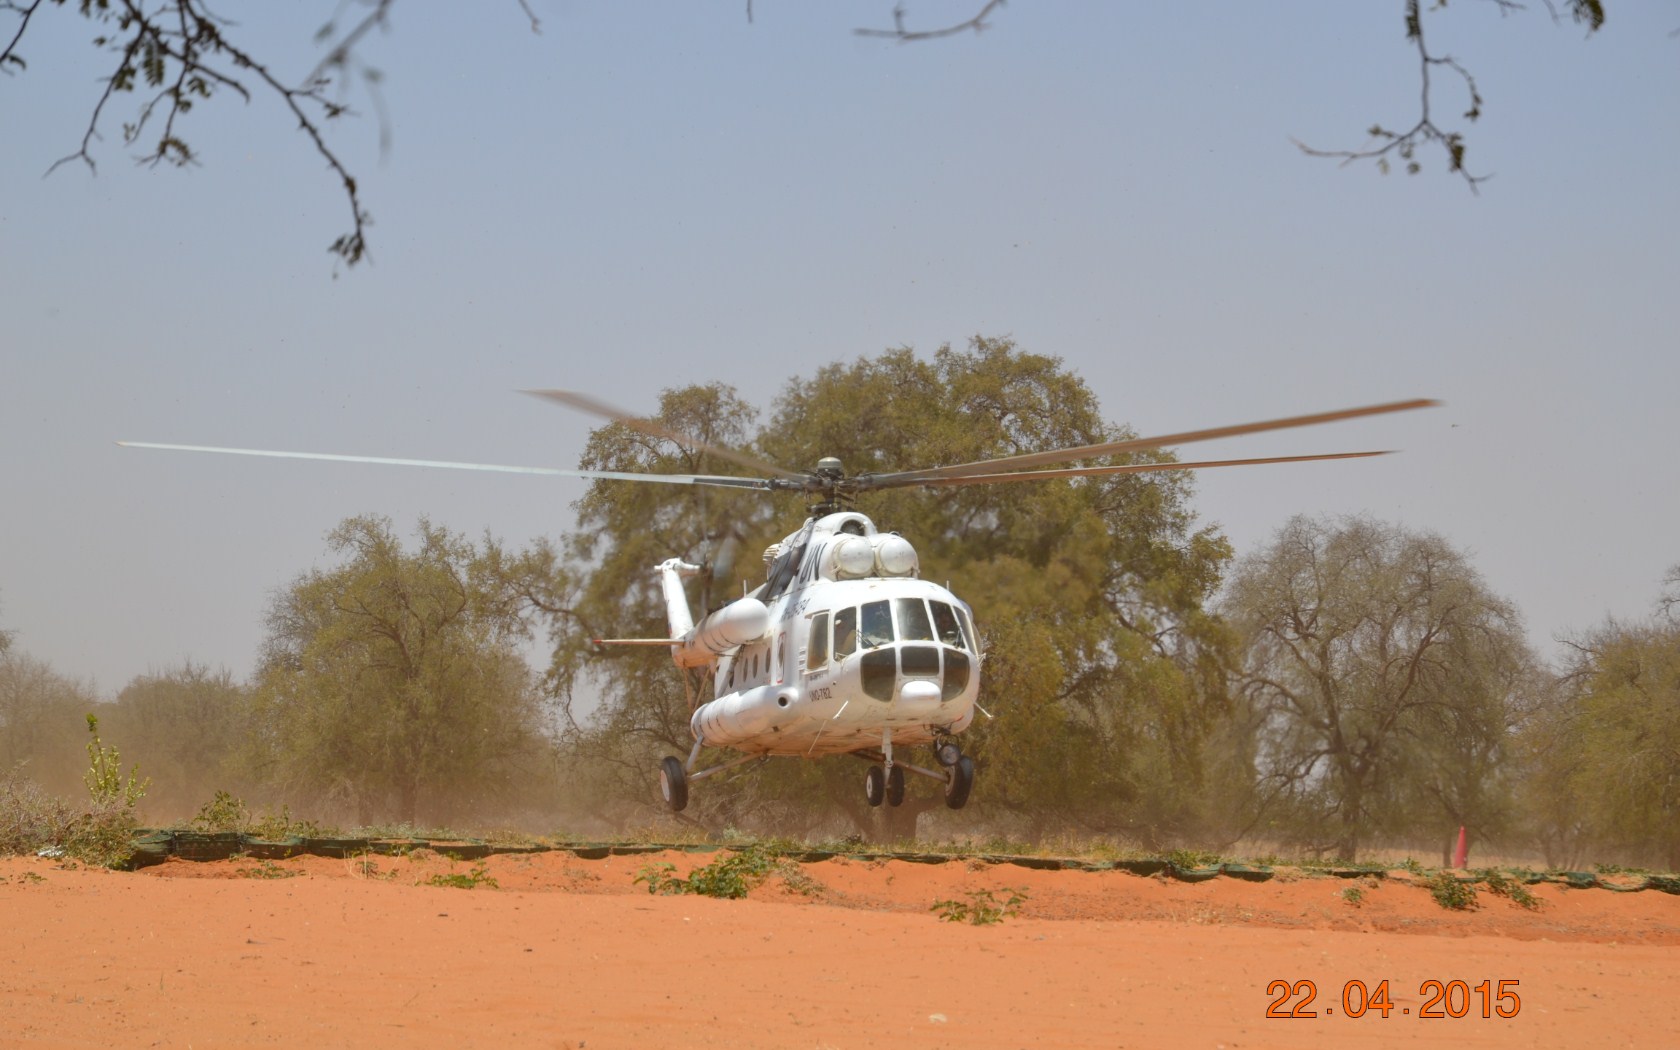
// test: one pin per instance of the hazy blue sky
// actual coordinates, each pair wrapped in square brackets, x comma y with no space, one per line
[652,194]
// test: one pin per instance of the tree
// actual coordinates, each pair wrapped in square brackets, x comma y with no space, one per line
[393,684]
[1609,747]
[177,53]
[1388,145]
[1384,676]
[1103,672]
[42,720]
[186,725]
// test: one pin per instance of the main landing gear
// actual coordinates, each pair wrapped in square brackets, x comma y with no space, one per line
[883,783]
[887,784]
[674,775]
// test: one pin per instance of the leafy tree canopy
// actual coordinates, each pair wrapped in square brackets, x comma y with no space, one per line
[394,682]
[1606,753]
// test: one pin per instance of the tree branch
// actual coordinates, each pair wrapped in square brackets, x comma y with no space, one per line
[899,33]
[1404,145]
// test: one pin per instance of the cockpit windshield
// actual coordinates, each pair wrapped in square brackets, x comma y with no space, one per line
[945,622]
[913,625]
[877,625]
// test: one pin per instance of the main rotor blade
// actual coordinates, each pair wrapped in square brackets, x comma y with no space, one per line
[722,481]
[1062,455]
[1130,468]
[585,403]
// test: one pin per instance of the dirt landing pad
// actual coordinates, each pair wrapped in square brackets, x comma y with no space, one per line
[572,953]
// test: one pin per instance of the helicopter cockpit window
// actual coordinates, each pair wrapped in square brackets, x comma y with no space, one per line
[877,625]
[816,651]
[913,625]
[945,622]
[852,527]
[968,629]
[845,633]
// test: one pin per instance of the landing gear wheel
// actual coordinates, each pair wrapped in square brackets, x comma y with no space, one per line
[960,784]
[895,786]
[673,783]
[948,753]
[875,785]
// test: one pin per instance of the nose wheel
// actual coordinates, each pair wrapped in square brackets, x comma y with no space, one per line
[961,782]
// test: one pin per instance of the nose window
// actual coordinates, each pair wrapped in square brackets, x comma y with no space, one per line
[880,668]
[956,674]
[919,661]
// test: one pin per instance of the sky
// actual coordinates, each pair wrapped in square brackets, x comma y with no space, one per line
[648,195]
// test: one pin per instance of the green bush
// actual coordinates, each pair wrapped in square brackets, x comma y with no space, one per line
[478,876]
[1451,893]
[982,908]
[731,876]
[29,817]
[1502,885]
[97,833]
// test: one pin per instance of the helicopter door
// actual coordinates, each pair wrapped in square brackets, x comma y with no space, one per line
[816,651]
[845,633]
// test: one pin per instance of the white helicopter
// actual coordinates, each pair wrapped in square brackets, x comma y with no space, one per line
[843,649]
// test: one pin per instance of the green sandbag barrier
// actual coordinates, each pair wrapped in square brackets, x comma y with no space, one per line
[1038,863]
[273,849]
[461,849]
[397,847]
[1643,883]
[812,856]
[212,845]
[923,858]
[156,845]
[336,848]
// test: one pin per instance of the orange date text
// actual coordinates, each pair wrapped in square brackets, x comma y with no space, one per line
[1298,1000]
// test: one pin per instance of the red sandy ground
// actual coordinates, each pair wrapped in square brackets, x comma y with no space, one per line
[572,953]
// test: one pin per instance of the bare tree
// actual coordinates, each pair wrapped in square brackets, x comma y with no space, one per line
[1374,654]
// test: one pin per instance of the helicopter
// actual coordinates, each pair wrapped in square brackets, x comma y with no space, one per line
[844,648]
